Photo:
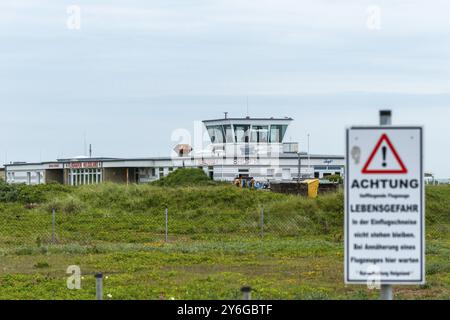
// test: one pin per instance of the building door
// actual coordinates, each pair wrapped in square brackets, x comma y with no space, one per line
[211,172]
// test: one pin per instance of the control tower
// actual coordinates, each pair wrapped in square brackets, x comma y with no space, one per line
[249,137]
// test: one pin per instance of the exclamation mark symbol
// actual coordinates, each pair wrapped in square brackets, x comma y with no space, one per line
[384,150]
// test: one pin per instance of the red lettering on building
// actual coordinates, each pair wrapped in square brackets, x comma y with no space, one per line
[85,165]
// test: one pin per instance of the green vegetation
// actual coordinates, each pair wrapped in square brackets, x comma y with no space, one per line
[24,194]
[216,243]
[185,177]
[335,178]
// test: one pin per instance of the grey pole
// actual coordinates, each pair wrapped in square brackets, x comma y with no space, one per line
[309,157]
[53,225]
[262,222]
[299,167]
[246,293]
[387,292]
[167,225]
[99,286]
[385,117]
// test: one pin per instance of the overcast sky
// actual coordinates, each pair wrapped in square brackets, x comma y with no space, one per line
[137,70]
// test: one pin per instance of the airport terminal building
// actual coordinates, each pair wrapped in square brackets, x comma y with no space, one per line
[249,147]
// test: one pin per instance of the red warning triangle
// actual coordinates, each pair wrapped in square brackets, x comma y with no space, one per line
[385,168]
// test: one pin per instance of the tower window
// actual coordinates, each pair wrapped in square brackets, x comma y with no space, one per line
[242,133]
[216,134]
[260,134]
[277,133]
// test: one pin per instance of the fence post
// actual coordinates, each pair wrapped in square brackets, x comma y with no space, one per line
[99,286]
[167,225]
[386,293]
[53,226]
[246,293]
[262,222]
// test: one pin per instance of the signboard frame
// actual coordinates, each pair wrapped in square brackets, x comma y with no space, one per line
[422,219]
[84,165]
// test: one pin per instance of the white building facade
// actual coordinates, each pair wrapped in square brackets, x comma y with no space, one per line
[239,147]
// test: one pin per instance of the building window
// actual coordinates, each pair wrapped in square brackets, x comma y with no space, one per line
[259,134]
[78,177]
[244,173]
[270,172]
[242,133]
[216,134]
[286,174]
[228,133]
[277,133]
[161,172]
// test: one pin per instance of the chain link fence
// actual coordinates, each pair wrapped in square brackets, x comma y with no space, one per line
[58,228]
[47,225]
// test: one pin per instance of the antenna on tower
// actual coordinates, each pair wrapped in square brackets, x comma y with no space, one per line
[85,144]
[226,115]
[90,150]
[248,115]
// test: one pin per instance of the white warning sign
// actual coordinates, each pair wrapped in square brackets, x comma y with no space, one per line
[385,216]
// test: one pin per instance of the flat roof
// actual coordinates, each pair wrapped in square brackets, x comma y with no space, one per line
[250,119]
[61,161]
[86,159]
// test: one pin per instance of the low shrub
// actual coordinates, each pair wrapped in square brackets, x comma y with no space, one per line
[69,204]
[185,177]
[31,194]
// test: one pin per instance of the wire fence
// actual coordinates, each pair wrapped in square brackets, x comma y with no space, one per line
[46,228]
[52,227]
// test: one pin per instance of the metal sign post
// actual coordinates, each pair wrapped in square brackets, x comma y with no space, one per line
[384,206]
[387,291]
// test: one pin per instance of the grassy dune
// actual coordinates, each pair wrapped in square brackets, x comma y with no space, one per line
[216,244]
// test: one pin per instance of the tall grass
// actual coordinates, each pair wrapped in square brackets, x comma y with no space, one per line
[135,213]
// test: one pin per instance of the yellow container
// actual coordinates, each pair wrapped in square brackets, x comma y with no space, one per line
[313,187]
